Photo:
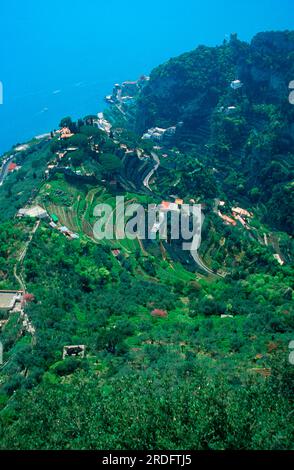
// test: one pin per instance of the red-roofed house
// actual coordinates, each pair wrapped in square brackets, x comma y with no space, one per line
[157,312]
[115,252]
[28,297]
[240,211]
[66,133]
[227,219]
[12,166]
[169,206]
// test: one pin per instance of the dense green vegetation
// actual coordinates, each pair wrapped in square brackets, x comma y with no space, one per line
[22,185]
[246,135]
[175,358]
[154,410]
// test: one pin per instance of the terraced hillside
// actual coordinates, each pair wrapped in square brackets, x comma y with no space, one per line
[129,343]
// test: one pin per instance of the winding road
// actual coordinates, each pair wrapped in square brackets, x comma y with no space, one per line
[199,262]
[151,172]
[195,242]
[4,169]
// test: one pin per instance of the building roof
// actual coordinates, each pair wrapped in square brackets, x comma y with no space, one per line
[227,219]
[8,299]
[21,147]
[64,229]
[239,210]
[169,206]
[157,312]
[179,201]
[35,211]
[66,136]
[65,130]
[279,259]
[236,84]
[12,166]
[74,235]
[242,221]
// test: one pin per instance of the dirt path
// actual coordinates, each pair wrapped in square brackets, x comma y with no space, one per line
[27,324]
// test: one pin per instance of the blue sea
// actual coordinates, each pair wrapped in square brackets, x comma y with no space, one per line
[61,58]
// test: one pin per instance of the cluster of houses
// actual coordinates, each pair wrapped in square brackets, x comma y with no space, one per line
[60,155]
[65,133]
[167,206]
[64,230]
[54,223]
[177,205]
[242,216]
[235,85]
[238,215]
[102,123]
[136,152]
[126,92]
[159,134]
[40,213]
[13,301]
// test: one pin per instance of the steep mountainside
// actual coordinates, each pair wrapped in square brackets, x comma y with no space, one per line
[130,343]
[246,133]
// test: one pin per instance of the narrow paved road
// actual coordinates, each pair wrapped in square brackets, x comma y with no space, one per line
[194,253]
[4,170]
[151,172]
[205,268]
[194,244]
[200,263]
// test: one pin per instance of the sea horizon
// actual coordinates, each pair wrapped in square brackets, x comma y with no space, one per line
[68,69]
